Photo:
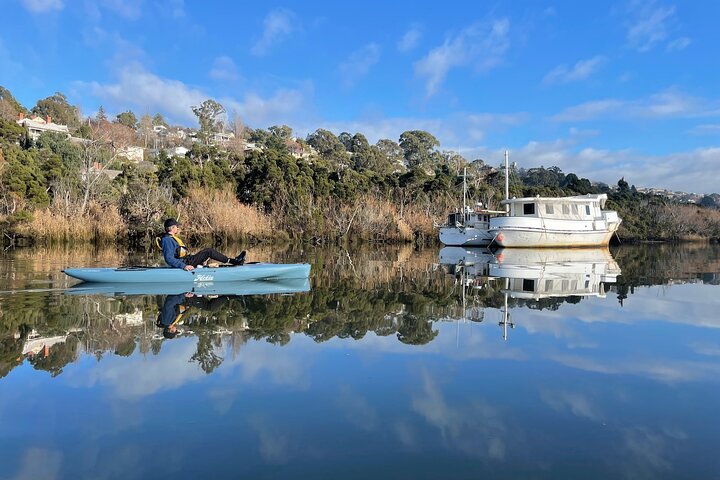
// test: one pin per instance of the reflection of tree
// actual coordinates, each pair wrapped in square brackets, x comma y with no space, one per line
[414,331]
[206,355]
[10,354]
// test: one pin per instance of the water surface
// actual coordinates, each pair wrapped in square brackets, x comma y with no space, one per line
[397,363]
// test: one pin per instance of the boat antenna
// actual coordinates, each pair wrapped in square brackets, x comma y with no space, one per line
[507,181]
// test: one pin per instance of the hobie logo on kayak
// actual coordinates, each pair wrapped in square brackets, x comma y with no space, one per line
[204,278]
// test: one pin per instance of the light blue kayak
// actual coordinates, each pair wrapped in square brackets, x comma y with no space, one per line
[249,271]
[250,287]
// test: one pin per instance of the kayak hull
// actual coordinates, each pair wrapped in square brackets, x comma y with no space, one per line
[251,271]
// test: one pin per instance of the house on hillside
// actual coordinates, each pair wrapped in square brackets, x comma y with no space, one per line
[132,154]
[36,126]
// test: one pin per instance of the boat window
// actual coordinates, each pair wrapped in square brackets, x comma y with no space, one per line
[528,285]
[528,209]
[587,209]
[548,285]
[549,209]
[574,209]
[566,209]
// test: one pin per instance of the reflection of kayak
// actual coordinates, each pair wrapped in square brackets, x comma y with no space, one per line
[251,271]
[250,287]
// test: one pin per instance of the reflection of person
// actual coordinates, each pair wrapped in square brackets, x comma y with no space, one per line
[177,256]
[176,306]
[171,313]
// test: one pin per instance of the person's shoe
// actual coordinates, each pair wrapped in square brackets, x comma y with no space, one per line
[240,259]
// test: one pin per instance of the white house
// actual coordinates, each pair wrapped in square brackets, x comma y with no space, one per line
[36,126]
[178,151]
[132,153]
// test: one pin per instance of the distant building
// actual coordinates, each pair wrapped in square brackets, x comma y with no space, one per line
[178,151]
[36,126]
[221,138]
[132,154]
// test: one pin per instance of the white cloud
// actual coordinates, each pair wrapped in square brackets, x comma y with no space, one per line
[580,71]
[43,6]
[277,27]
[670,103]
[409,40]
[683,171]
[224,69]
[678,44]
[577,403]
[649,25]
[131,9]
[452,131]
[136,87]
[358,63]
[707,129]
[480,46]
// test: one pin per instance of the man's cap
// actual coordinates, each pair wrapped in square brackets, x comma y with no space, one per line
[170,222]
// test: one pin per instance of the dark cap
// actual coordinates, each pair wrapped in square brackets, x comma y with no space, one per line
[170,222]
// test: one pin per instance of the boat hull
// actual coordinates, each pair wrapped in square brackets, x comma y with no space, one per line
[511,237]
[465,237]
[253,271]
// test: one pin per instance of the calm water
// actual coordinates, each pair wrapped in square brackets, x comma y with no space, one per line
[391,363]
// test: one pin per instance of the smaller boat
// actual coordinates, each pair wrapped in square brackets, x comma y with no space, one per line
[469,228]
[229,273]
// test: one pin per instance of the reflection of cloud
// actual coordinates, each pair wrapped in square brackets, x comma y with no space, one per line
[273,446]
[661,368]
[475,428]
[357,409]
[648,451]
[406,434]
[39,463]
[578,404]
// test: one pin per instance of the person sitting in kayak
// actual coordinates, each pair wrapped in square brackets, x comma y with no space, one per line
[176,254]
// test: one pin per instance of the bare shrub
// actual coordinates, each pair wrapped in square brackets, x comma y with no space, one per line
[219,214]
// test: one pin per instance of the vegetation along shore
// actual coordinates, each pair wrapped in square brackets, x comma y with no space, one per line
[69,178]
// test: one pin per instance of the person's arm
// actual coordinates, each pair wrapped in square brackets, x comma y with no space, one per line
[169,246]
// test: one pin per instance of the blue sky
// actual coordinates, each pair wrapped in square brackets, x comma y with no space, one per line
[602,89]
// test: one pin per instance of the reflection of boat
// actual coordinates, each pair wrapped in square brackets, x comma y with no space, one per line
[542,273]
[578,221]
[290,285]
[473,261]
[250,271]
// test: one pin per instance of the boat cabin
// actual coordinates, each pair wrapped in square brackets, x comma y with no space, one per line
[582,207]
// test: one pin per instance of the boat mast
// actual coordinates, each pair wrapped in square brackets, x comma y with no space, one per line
[507,181]
[464,193]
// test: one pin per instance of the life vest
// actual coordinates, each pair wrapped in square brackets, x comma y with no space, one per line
[180,252]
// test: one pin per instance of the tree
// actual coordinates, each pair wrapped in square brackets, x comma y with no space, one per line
[59,110]
[145,128]
[391,150]
[127,118]
[10,109]
[418,148]
[208,114]
[283,132]
[158,119]
[101,115]
[328,146]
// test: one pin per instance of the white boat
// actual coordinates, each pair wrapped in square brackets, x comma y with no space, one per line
[468,228]
[578,221]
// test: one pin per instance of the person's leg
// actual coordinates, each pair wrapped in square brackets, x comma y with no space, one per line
[203,255]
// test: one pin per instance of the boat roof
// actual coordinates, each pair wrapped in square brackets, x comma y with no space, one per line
[600,198]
